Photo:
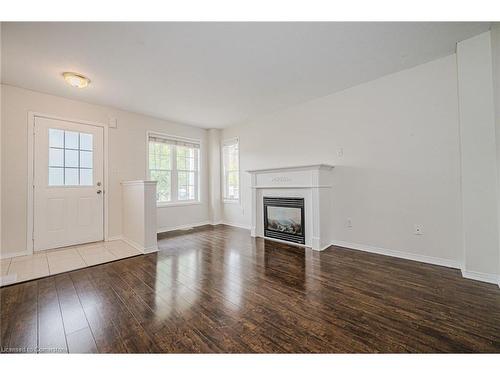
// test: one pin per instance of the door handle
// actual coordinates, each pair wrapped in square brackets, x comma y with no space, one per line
[99,191]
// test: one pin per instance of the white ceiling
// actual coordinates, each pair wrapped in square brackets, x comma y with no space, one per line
[216,74]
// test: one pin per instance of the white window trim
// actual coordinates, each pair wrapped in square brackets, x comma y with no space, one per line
[223,182]
[174,202]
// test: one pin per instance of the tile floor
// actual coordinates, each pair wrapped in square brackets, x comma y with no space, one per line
[51,262]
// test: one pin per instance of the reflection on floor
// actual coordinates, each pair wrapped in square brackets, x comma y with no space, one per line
[216,289]
[52,262]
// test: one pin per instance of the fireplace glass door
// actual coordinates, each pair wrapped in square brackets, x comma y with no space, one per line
[284,219]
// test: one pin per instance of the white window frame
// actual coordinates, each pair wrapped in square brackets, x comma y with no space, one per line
[174,185]
[225,142]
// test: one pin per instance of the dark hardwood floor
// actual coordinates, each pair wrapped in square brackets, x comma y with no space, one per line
[215,289]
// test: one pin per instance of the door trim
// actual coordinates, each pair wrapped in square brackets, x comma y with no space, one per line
[30,186]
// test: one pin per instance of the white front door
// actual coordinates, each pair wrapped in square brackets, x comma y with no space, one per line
[68,184]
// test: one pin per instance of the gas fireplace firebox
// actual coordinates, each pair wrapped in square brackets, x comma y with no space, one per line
[284,219]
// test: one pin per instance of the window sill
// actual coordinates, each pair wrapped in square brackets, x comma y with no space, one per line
[177,204]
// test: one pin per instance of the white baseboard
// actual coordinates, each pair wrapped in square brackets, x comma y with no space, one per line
[15,254]
[401,254]
[325,247]
[481,276]
[114,238]
[151,249]
[236,225]
[180,227]
[144,250]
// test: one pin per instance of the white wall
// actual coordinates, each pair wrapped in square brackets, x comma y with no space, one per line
[400,165]
[127,159]
[478,155]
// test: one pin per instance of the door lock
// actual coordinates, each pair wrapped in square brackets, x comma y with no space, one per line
[99,191]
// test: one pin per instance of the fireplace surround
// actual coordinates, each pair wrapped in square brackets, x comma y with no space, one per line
[312,184]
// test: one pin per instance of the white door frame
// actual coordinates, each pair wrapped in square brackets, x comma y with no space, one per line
[30,187]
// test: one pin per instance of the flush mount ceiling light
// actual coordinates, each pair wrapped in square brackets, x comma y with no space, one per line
[76,80]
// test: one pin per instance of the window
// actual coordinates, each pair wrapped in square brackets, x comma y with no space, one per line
[231,166]
[160,168]
[187,158]
[174,163]
[70,158]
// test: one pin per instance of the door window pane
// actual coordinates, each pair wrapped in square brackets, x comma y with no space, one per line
[56,157]
[56,138]
[85,141]
[71,152]
[86,177]
[56,176]
[85,159]
[71,158]
[71,176]
[71,140]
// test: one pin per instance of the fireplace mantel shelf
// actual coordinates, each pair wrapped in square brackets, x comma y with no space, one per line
[293,187]
[291,168]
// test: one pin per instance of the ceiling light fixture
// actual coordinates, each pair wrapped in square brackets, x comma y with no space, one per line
[76,80]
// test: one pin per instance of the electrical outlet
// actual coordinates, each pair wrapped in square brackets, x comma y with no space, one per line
[418,229]
[340,152]
[348,223]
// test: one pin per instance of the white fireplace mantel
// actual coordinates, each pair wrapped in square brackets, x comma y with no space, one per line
[311,182]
